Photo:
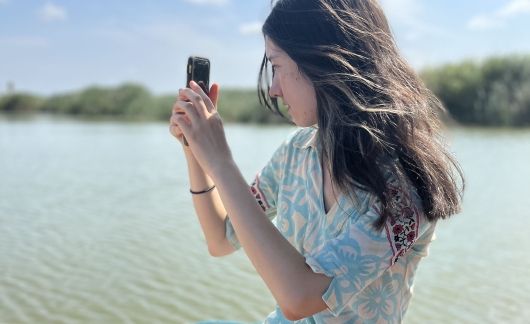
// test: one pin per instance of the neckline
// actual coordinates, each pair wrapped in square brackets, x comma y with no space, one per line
[333,208]
[321,197]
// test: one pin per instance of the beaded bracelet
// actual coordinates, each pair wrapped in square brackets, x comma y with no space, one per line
[201,192]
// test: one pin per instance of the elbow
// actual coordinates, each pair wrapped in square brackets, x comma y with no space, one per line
[291,316]
[214,252]
[220,250]
[293,312]
[304,307]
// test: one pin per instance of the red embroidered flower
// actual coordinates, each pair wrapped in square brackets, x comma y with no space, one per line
[411,236]
[402,222]
[398,229]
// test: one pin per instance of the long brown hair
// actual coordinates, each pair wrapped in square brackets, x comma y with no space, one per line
[371,105]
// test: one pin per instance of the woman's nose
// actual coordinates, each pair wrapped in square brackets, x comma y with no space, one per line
[275,90]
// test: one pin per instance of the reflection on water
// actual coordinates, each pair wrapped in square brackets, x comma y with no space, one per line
[96,225]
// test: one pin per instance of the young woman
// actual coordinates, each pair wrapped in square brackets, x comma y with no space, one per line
[356,191]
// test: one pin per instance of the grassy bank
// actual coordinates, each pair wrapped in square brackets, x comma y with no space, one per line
[132,102]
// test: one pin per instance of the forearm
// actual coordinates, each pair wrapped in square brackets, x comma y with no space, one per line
[280,265]
[208,206]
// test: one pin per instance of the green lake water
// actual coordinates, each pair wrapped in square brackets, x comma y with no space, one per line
[97,226]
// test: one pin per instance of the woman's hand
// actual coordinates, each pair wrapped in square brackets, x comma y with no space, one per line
[174,129]
[202,126]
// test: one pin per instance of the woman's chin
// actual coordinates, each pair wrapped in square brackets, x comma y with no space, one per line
[301,124]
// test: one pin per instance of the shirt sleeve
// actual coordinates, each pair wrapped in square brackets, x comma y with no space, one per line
[360,254]
[264,188]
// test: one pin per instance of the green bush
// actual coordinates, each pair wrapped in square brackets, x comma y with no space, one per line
[495,92]
[133,99]
[456,85]
[61,104]
[243,106]
[20,103]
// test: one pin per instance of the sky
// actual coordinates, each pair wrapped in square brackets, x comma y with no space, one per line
[50,47]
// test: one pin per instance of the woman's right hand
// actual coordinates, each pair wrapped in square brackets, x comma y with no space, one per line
[174,129]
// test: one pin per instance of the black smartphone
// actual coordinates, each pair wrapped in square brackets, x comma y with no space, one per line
[198,70]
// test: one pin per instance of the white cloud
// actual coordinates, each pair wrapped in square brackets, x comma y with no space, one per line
[52,12]
[209,2]
[515,7]
[252,28]
[499,17]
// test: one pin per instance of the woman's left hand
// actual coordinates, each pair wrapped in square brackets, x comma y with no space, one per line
[203,129]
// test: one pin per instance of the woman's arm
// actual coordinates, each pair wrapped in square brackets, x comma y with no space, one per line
[296,288]
[209,208]
[281,266]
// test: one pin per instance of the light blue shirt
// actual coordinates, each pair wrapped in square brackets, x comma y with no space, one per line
[372,271]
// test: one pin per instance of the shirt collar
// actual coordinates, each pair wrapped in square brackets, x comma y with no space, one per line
[308,141]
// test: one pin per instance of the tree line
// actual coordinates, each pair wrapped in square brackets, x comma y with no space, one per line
[493,92]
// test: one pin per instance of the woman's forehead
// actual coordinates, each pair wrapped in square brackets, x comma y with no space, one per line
[272,50]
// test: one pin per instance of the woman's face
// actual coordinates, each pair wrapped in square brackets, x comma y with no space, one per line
[297,92]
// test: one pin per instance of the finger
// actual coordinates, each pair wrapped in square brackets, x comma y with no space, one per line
[185,107]
[189,109]
[177,133]
[197,100]
[180,96]
[183,124]
[173,119]
[208,105]
[177,106]
[185,94]
[214,94]
[175,130]
[203,87]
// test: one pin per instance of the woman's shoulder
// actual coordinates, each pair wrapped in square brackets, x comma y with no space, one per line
[302,137]
[290,147]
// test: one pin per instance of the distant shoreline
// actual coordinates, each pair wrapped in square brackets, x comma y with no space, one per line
[491,93]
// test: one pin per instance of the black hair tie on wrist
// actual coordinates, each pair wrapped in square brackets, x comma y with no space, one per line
[201,192]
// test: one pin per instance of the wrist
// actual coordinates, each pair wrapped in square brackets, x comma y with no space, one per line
[222,168]
[188,152]
[200,192]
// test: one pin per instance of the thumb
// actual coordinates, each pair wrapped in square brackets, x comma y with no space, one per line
[214,93]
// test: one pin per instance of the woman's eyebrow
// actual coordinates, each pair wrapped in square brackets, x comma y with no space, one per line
[273,57]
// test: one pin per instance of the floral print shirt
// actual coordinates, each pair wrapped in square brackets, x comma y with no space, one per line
[372,271]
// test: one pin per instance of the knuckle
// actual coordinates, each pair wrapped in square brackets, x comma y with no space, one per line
[181,107]
[175,106]
[196,97]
